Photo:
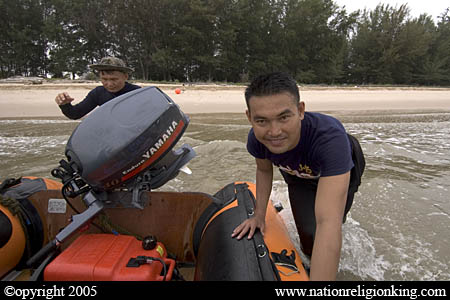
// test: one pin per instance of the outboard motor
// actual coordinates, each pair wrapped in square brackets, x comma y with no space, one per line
[124,144]
[128,135]
[127,143]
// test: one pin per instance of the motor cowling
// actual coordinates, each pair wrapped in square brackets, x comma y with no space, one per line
[127,137]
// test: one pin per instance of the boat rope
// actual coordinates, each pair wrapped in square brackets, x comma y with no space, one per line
[17,210]
[107,225]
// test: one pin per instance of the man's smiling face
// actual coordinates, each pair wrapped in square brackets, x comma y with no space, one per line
[276,121]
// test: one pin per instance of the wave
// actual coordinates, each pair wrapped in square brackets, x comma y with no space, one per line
[37,121]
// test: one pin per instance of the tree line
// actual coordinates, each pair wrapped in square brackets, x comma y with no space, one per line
[316,41]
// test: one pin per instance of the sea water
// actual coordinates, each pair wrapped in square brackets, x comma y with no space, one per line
[398,227]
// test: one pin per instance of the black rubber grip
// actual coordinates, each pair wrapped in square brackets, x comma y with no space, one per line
[51,246]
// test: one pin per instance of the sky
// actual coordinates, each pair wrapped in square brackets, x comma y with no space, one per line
[432,7]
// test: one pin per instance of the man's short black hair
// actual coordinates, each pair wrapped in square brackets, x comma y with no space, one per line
[272,84]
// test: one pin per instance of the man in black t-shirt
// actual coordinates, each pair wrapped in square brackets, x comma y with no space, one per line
[113,74]
[319,161]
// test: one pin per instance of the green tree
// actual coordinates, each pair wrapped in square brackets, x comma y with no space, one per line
[413,43]
[225,40]
[434,68]
[316,39]
[376,50]
[22,45]
[78,35]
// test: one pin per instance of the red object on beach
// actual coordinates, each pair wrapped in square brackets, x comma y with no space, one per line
[177,91]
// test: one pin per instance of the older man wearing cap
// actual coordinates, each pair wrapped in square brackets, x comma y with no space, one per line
[113,74]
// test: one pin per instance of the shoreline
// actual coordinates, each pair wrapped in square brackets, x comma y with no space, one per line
[37,100]
[86,84]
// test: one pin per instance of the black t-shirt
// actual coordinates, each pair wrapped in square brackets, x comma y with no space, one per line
[94,98]
[323,150]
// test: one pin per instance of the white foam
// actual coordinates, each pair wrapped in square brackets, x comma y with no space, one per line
[37,122]
[30,145]
[358,254]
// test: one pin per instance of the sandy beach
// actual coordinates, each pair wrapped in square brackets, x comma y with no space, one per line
[20,100]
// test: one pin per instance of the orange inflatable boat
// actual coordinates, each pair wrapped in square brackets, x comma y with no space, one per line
[271,256]
[192,240]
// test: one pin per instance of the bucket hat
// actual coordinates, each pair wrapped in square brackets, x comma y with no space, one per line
[111,64]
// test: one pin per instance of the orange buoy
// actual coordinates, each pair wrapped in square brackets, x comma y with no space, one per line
[13,241]
[22,236]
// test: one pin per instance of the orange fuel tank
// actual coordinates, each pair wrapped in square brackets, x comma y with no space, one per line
[108,257]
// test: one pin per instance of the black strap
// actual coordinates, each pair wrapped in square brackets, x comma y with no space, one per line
[221,199]
[246,200]
[358,161]
[9,182]
[25,187]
